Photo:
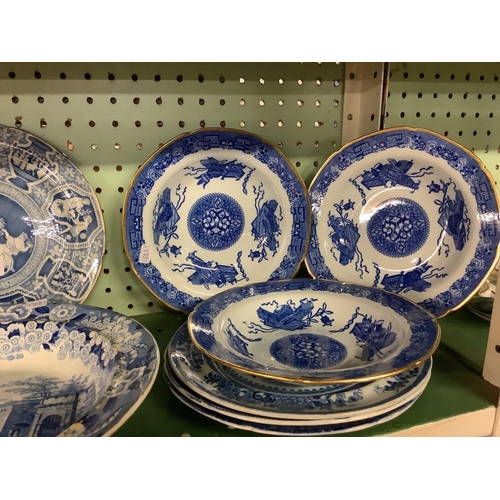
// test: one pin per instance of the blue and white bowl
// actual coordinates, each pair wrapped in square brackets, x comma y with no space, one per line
[314,331]
[68,370]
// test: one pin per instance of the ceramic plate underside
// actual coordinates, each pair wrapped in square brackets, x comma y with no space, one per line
[200,401]
[292,430]
[235,392]
[51,398]
[406,210]
[314,331]
[212,209]
[51,224]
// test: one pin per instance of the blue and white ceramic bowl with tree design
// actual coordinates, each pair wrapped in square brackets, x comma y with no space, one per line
[409,211]
[213,209]
[68,370]
[314,331]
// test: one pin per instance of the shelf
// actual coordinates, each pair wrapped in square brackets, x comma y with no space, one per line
[457,401]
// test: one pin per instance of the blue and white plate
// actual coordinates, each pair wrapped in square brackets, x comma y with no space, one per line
[212,209]
[70,370]
[409,211]
[261,397]
[51,224]
[292,430]
[314,331]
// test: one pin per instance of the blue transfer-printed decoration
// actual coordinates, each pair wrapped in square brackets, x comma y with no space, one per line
[165,219]
[398,228]
[289,316]
[308,351]
[465,165]
[216,221]
[220,169]
[208,273]
[417,279]
[237,340]
[345,237]
[210,142]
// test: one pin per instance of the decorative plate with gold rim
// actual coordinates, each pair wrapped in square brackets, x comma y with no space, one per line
[211,209]
[314,331]
[409,211]
[51,224]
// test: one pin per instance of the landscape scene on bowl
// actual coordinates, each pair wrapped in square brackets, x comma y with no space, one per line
[44,406]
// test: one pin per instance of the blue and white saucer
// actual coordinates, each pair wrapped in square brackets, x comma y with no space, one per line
[314,331]
[70,370]
[212,209]
[51,224]
[237,392]
[291,430]
[409,211]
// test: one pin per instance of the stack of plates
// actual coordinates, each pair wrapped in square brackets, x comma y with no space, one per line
[302,357]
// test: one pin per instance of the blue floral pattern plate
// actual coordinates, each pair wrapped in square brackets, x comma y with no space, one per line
[291,430]
[314,331]
[70,370]
[212,209]
[260,398]
[51,224]
[409,211]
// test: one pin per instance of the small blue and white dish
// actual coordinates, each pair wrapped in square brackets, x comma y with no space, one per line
[409,211]
[263,400]
[314,331]
[212,209]
[51,224]
[70,370]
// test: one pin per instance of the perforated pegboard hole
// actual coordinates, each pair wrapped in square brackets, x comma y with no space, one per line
[43,123]
[138,145]
[417,114]
[222,79]
[222,123]
[98,190]
[159,123]
[300,82]
[135,77]
[262,124]
[319,82]
[92,124]
[335,124]
[157,78]
[93,146]
[38,75]
[450,96]
[120,189]
[65,100]
[112,100]
[280,144]
[96,168]
[201,102]
[137,100]
[40,99]
[242,124]
[299,124]
[262,102]
[119,168]
[262,81]
[300,103]
[335,103]
[242,102]
[297,164]
[202,123]
[114,123]
[281,102]
[336,83]
[201,78]
[108,290]
[130,306]
[419,95]
[179,78]
[316,164]
[281,81]
[87,76]
[15,99]
[280,123]
[90,100]
[222,102]
[181,124]
[150,304]
[70,146]
[298,144]
[318,103]
[12,74]
[158,100]
[128,288]
[349,117]
[180,101]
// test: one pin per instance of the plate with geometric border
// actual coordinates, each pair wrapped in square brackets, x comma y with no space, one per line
[51,224]
[409,211]
[212,209]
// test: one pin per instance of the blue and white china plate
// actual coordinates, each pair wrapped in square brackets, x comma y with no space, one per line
[212,209]
[71,370]
[51,224]
[409,211]
[314,331]
[292,430]
[199,401]
[261,397]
